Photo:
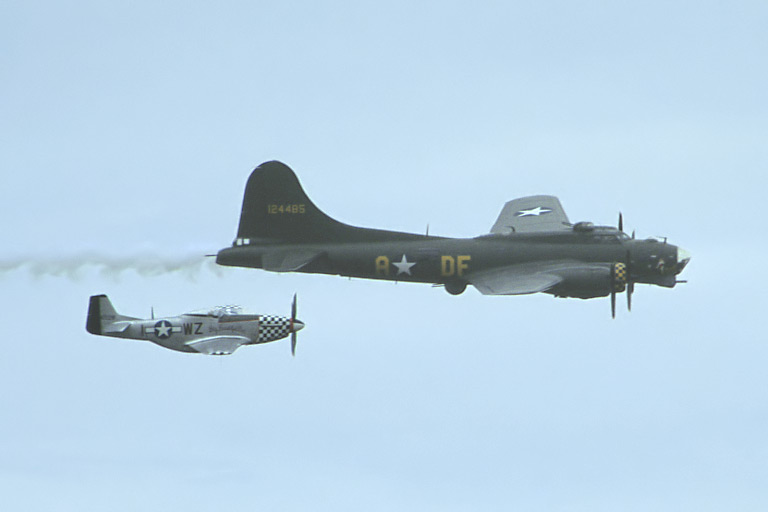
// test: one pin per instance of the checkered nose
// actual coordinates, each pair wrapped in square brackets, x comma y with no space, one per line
[274,327]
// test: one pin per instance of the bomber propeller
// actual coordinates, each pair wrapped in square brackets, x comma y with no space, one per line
[630,283]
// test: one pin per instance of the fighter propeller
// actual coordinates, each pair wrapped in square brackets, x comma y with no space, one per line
[296,326]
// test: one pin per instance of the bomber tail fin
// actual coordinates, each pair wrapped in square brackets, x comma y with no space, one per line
[101,312]
[275,207]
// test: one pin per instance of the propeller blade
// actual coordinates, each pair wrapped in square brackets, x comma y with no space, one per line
[621,222]
[153,312]
[293,322]
[613,304]
[633,234]
[630,282]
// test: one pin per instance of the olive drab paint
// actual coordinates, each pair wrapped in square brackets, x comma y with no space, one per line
[532,247]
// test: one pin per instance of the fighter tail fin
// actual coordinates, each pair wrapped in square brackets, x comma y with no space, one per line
[275,207]
[102,312]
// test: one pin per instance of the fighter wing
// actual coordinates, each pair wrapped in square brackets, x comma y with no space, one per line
[218,345]
[532,213]
[514,280]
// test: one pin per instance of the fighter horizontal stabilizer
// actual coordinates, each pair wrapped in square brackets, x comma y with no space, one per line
[288,261]
[103,318]
[115,327]
[218,345]
[530,214]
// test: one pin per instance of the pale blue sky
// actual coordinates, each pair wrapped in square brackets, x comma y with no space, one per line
[130,128]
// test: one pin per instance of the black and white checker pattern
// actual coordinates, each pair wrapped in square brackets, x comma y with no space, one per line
[273,327]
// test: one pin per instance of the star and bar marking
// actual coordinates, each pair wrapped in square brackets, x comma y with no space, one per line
[162,329]
[533,212]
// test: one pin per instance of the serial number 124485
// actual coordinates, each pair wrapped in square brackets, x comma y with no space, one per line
[276,209]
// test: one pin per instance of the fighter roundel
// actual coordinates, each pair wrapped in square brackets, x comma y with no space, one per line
[163,329]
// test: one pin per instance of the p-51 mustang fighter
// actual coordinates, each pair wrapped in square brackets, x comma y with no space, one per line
[531,248]
[215,332]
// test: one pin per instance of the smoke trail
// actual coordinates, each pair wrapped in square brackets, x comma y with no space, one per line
[146,265]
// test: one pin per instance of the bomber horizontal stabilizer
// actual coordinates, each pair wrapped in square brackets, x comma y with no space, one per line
[288,260]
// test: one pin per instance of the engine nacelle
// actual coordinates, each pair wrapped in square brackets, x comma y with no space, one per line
[588,283]
[618,277]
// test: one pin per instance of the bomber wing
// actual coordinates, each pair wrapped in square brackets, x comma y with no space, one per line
[528,278]
[218,345]
[532,213]
[515,280]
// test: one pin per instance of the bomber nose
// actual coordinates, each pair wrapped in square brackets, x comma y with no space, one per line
[297,325]
[683,257]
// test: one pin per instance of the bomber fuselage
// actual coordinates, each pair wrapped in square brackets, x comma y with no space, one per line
[532,247]
[449,261]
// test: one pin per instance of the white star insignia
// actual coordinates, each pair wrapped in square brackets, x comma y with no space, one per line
[403,267]
[533,212]
[163,330]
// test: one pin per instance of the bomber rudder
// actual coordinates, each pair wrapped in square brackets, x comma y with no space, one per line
[276,207]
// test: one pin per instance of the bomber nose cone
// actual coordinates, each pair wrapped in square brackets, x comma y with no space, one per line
[297,325]
[683,257]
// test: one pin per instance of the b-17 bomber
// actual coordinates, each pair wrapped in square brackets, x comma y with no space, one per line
[217,331]
[532,247]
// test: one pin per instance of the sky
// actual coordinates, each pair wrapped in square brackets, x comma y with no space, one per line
[129,129]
